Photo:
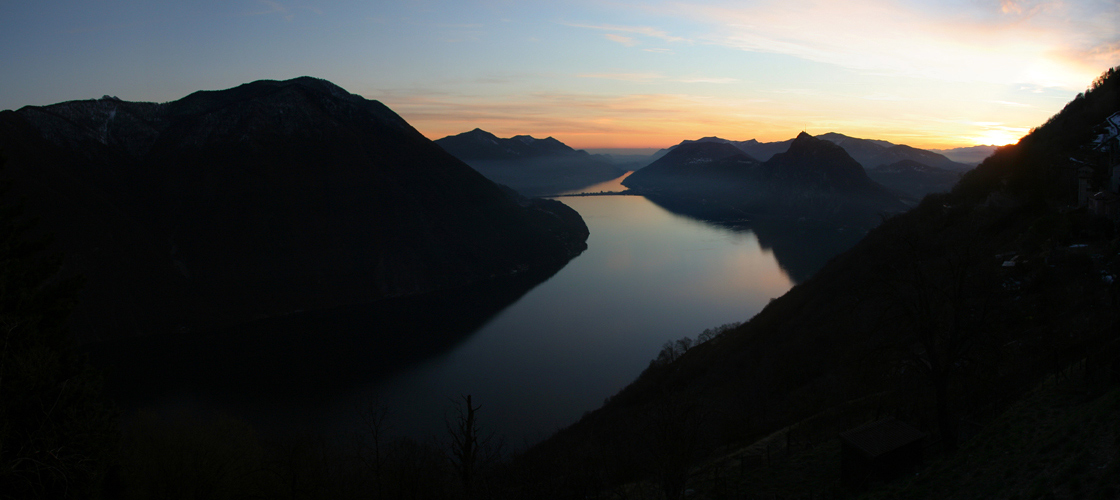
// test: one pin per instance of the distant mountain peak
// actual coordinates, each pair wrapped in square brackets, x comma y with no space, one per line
[481,145]
[807,144]
[812,176]
[708,150]
[298,188]
[818,163]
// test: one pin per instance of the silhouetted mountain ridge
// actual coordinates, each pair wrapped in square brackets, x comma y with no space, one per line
[869,153]
[820,165]
[529,165]
[813,178]
[479,144]
[270,197]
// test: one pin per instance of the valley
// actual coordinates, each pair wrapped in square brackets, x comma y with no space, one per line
[285,269]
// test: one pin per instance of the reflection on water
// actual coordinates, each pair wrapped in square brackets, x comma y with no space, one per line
[801,246]
[279,373]
[611,186]
[648,276]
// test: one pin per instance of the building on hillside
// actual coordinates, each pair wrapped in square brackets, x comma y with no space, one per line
[879,451]
[1106,203]
[1108,144]
[1106,149]
[1085,185]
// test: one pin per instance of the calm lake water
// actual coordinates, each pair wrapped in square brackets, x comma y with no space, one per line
[648,276]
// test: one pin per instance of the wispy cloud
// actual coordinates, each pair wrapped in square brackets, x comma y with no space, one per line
[625,77]
[625,40]
[635,30]
[657,77]
[286,11]
[98,29]
[273,7]
[452,32]
[1010,103]
[708,80]
[580,119]
[1045,43]
[883,97]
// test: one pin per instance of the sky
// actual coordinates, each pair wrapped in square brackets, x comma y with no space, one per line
[593,74]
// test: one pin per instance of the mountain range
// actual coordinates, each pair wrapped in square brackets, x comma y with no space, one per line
[262,200]
[531,166]
[970,155]
[869,153]
[813,177]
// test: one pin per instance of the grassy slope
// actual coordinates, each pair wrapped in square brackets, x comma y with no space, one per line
[1061,441]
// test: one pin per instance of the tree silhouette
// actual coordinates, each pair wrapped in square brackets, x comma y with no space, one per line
[55,432]
[470,449]
[943,296]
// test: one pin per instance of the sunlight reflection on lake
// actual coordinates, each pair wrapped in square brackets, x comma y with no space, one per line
[611,186]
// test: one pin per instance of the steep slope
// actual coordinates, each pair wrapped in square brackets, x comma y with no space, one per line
[529,165]
[913,178]
[943,316]
[267,198]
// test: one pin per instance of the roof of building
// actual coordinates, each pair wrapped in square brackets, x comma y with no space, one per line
[881,436]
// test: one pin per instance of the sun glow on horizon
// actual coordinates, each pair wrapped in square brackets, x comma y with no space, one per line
[996,138]
[597,74]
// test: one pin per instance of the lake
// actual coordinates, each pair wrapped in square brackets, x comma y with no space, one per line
[558,349]
[648,276]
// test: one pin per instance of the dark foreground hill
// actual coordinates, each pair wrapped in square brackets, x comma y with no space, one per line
[265,199]
[944,317]
[531,166]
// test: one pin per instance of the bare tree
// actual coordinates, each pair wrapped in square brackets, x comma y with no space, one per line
[470,449]
[371,442]
[944,296]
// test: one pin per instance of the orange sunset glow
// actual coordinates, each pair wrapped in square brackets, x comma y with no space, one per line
[600,75]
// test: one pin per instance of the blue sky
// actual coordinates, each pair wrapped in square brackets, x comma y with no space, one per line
[594,73]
